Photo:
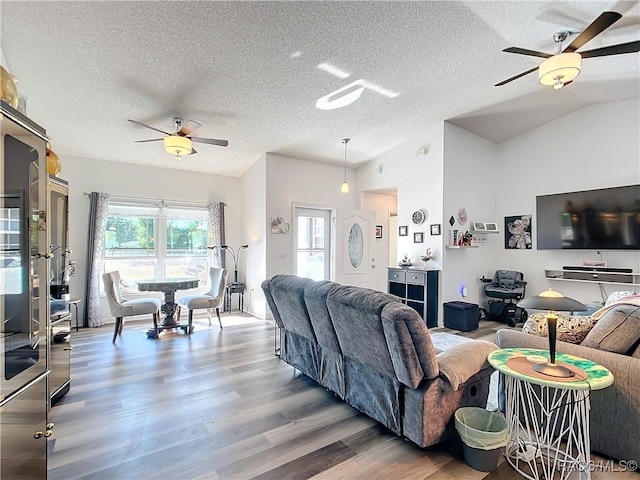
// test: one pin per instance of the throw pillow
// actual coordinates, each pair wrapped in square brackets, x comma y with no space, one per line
[570,328]
[616,331]
[617,296]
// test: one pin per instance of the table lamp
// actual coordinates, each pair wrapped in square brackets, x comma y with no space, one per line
[552,301]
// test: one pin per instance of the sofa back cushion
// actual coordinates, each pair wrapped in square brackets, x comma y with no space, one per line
[356,316]
[315,297]
[288,296]
[617,330]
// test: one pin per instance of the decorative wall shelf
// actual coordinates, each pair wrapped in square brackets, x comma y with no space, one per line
[460,246]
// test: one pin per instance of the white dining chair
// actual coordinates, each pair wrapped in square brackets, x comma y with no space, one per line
[121,308]
[214,298]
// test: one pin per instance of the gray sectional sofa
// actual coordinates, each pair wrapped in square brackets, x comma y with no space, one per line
[376,354]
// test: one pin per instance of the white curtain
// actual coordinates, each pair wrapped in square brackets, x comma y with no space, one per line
[216,233]
[97,223]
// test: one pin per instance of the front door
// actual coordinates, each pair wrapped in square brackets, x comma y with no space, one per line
[355,232]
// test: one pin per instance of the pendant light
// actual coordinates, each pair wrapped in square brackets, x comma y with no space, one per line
[345,186]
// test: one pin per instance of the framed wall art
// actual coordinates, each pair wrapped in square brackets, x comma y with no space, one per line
[378,231]
[435,229]
[403,231]
[278,225]
[418,237]
[517,232]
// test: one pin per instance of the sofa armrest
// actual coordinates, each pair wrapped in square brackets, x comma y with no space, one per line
[461,362]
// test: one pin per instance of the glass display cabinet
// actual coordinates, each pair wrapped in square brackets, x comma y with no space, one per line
[60,315]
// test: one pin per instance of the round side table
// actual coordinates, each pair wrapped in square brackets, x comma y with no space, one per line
[547,417]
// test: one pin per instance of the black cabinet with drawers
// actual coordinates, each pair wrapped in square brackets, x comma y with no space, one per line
[418,289]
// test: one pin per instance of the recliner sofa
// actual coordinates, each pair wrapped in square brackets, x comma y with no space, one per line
[376,354]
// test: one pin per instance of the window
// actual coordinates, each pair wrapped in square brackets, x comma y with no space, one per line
[146,242]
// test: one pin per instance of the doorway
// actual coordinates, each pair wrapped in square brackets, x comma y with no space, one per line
[312,254]
[384,248]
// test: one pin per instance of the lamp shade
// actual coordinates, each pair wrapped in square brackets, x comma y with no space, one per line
[177,145]
[552,301]
[560,68]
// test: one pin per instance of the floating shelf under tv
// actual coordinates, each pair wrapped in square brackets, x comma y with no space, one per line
[615,278]
[461,246]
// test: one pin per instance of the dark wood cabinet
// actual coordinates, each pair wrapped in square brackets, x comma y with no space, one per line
[418,289]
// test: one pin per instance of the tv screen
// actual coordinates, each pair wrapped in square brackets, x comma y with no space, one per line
[604,219]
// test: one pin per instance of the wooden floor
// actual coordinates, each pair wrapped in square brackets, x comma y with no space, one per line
[220,405]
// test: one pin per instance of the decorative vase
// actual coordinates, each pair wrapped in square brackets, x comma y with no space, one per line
[54,165]
[8,90]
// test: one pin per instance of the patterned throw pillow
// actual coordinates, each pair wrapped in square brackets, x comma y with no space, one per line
[570,329]
[617,296]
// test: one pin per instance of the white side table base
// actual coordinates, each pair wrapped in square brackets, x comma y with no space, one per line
[548,431]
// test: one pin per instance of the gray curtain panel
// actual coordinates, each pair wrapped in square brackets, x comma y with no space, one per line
[97,222]
[216,233]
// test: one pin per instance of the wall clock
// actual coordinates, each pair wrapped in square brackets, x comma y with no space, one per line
[418,217]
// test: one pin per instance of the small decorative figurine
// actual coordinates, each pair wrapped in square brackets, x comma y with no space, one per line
[427,256]
[405,262]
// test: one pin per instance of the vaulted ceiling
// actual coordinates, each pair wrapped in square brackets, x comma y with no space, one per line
[254,73]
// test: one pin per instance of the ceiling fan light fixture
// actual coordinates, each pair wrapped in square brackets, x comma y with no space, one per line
[560,69]
[177,145]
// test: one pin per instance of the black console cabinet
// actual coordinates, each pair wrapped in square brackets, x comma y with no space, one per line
[418,289]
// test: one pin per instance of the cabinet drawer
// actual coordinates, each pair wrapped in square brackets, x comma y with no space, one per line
[418,278]
[396,276]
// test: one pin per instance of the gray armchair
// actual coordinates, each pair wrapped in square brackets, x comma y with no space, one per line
[121,308]
[214,298]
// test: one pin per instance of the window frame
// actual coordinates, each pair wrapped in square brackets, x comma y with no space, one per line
[161,257]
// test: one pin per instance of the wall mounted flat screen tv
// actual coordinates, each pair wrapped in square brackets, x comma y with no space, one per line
[604,219]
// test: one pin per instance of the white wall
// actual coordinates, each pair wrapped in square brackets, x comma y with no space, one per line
[470,166]
[594,147]
[384,206]
[418,181]
[254,220]
[87,175]
[291,180]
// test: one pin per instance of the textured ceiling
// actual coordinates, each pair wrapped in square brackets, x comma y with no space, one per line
[248,71]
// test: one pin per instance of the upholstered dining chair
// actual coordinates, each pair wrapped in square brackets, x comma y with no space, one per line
[214,298]
[121,308]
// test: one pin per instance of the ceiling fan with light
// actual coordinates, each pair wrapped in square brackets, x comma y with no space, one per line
[561,69]
[179,143]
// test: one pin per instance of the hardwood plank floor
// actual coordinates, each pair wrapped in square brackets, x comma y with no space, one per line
[219,405]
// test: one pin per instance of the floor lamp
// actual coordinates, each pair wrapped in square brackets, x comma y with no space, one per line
[227,248]
[552,301]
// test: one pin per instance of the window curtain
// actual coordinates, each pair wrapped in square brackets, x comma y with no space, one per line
[216,233]
[98,212]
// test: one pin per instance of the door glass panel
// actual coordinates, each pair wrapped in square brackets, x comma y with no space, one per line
[313,241]
[355,245]
[20,235]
